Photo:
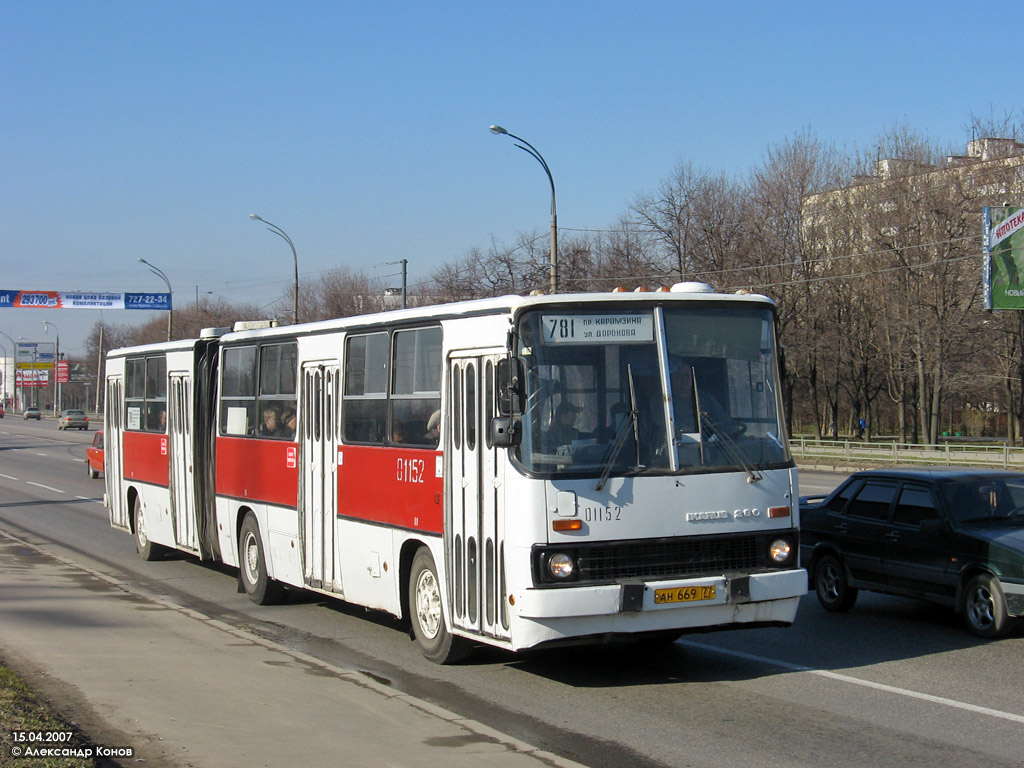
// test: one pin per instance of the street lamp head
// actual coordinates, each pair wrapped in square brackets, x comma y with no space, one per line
[255,217]
[497,130]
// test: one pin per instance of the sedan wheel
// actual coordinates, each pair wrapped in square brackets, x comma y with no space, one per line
[833,590]
[984,607]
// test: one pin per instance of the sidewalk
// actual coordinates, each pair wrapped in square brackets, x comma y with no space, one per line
[181,689]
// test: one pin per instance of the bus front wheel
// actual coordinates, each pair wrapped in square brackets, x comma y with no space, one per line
[429,629]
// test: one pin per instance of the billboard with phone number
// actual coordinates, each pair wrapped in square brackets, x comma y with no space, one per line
[82,300]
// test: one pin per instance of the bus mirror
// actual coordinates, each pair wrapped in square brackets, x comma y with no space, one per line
[505,432]
[510,386]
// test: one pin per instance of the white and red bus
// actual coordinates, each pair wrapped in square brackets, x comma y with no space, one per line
[516,471]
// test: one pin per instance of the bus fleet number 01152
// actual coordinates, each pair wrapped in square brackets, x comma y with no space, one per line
[411,470]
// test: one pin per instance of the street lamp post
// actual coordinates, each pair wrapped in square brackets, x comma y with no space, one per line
[8,367]
[56,362]
[532,151]
[35,381]
[170,307]
[295,258]
[3,374]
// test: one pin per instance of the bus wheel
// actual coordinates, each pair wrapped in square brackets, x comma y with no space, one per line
[147,549]
[428,625]
[252,569]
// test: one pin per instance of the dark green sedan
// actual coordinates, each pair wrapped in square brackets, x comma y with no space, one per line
[952,536]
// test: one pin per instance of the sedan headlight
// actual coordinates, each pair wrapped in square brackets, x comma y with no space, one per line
[780,550]
[561,566]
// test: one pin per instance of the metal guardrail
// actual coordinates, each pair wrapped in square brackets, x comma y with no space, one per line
[838,452]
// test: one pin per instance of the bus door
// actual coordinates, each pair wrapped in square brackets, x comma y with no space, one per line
[182,477]
[113,464]
[318,489]
[474,507]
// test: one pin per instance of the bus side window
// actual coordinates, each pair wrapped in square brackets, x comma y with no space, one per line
[364,400]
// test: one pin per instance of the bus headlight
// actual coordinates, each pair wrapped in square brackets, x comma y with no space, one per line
[561,566]
[780,550]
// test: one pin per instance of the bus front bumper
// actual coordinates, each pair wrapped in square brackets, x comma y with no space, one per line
[675,597]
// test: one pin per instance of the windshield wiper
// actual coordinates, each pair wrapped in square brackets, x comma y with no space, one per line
[620,437]
[729,446]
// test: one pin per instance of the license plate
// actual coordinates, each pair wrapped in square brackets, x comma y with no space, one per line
[684,594]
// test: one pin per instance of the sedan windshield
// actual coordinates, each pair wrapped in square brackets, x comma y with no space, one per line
[670,389]
[985,499]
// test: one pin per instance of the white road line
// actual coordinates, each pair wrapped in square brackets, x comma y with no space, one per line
[89,498]
[857,681]
[47,487]
[8,477]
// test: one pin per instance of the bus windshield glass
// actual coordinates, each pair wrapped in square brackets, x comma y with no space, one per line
[613,391]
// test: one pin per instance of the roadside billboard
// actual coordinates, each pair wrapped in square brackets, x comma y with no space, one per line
[80,300]
[1003,265]
[31,378]
[34,354]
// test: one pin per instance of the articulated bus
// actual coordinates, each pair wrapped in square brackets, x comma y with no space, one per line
[517,471]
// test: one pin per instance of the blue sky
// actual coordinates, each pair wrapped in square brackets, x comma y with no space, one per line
[152,129]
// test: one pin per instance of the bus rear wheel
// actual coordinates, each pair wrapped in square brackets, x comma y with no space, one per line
[252,566]
[429,629]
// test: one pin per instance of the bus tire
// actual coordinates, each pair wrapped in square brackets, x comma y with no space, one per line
[429,629]
[147,549]
[252,566]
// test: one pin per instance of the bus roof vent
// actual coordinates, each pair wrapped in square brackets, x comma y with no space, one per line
[212,333]
[692,287]
[254,325]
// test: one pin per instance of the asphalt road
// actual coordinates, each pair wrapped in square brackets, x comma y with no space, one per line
[892,683]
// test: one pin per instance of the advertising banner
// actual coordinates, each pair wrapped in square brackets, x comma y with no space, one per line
[1003,270]
[81,300]
[32,378]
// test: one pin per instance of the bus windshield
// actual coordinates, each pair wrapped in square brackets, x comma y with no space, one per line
[662,390]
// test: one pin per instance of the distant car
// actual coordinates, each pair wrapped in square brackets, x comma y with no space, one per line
[72,418]
[955,537]
[94,456]
[33,413]
[1,411]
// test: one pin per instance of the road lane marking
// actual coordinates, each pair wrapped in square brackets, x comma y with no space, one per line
[90,498]
[8,477]
[858,681]
[47,487]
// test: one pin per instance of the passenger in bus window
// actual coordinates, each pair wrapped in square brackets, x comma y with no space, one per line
[271,420]
[397,431]
[157,419]
[287,428]
[433,434]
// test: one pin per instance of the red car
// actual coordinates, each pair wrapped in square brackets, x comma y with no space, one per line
[94,456]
